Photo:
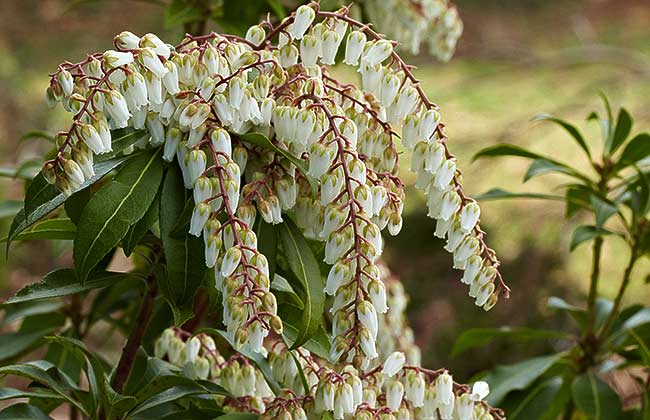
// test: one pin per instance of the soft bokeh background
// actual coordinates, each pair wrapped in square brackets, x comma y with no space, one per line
[516,58]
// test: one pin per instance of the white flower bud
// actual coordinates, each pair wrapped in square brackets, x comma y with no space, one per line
[113,59]
[304,17]
[354,47]
[255,34]
[152,41]
[200,217]
[230,261]
[127,41]
[394,364]
[170,79]
[330,43]
[151,61]
[378,52]
[394,395]
[74,173]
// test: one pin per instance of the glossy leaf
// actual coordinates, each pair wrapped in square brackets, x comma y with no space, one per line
[500,194]
[505,379]
[571,129]
[603,209]
[186,270]
[621,131]
[586,233]
[544,166]
[305,267]
[114,208]
[477,337]
[14,344]
[23,411]
[59,228]
[62,282]
[636,149]
[42,198]
[140,228]
[544,401]
[595,398]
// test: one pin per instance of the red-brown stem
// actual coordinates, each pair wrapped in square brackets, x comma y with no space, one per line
[138,329]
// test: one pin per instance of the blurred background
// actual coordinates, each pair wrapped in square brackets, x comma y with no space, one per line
[516,58]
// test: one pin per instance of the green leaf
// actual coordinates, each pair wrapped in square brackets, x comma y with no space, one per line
[577,313]
[114,208]
[16,343]
[169,395]
[603,209]
[621,131]
[26,309]
[59,228]
[261,140]
[506,149]
[577,197]
[477,337]
[267,243]
[25,170]
[36,373]
[544,166]
[318,344]
[304,266]
[9,208]
[586,233]
[284,292]
[62,282]
[11,393]
[595,398]
[23,411]
[500,194]
[238,416]
[140,228]
[544,401]
[637,149]
[571,129]
[505,379]
[123,138]
[185,274]
[42,198]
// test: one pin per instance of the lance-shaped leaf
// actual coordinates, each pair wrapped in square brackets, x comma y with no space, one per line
[586,233]
[185,268]
[23,411]
[140,228]
[518,376]
[571,129]
[500,194]
[621,131]
[480,336]
[595,398]
[114,208]
[63,282]
[304,267]
[638,148]
[58,228]
[42,198]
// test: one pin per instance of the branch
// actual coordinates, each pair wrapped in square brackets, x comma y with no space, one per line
[136,335]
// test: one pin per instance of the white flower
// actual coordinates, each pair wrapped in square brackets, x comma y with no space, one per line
[309,50]
[170,79]
[378,52]
[159,47]
[330,45]
[150,60]
[113,59]
[304,17]
[444,388]
[367,343]
[127,41]
[367,315]
[469,216]
[230,261]
[91,137]
[394,395]
[66,82]
[480,390]
[394,364]
[74,173]
[199,218]
[354,47]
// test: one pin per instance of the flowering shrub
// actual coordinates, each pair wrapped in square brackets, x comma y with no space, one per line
[252,187]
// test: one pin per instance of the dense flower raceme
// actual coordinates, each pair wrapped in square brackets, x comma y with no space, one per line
[395,387]
[198,101]
[414,22]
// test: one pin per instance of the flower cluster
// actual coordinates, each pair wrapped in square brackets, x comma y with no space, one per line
[391,390]
[413,22]
[330,161]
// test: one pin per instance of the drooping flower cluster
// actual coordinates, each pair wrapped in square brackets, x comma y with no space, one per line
[414,22]
[329,159]
[309,387]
